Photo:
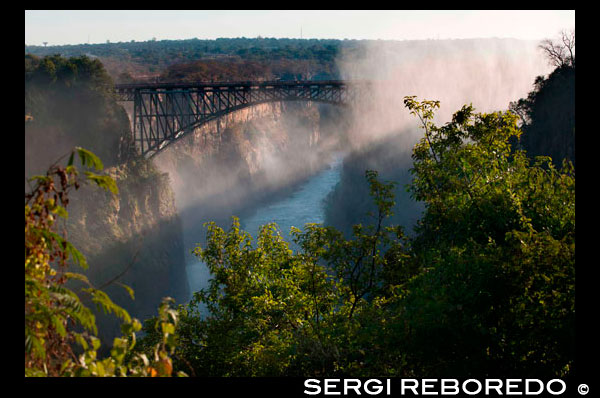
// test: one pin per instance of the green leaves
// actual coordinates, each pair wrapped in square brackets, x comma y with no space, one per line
[105,182]
[423,109]
[383,194]
[272,311]
[490,216]
[88,159]
[128,289]
[106,304]
[52,310]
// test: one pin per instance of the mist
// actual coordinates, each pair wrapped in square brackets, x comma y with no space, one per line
[488,73]
[249,158]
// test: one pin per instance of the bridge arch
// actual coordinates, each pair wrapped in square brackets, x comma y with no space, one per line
[165,113]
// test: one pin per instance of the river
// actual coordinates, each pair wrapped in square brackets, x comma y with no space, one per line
[303,205]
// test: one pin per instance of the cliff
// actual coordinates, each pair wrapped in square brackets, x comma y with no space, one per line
[250,144]
[227,166]
[143,236]
[134,238]
[248,158]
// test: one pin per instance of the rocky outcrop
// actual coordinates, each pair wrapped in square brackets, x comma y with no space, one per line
[134,238]
[268,144]
[253,156]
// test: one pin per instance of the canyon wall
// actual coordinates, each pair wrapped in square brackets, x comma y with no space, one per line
[253,156]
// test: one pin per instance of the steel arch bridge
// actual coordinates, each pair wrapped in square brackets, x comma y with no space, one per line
[166,112]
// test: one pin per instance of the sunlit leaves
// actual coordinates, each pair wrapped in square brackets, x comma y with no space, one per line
[498,239]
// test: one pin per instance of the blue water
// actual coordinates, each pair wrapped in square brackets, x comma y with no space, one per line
[304,205]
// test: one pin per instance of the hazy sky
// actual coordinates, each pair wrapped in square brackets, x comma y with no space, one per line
[75,27]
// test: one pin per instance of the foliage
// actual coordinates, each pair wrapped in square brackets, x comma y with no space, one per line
[236,68]
[67,72]
[121,361]
[79,110]
[238,58]
[350,203]
[54,313]
[498,242]
[176,51]
[71,102]
[271,311]
[484,288]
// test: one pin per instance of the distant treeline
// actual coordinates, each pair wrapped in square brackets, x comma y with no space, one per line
[284,58]
[171,51]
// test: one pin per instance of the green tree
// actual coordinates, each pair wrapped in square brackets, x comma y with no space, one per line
[497,242]
[270,311]
[55,86]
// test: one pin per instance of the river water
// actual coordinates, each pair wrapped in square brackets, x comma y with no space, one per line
[304,205]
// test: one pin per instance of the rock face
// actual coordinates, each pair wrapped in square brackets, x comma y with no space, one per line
[143,237]
[229,167]
[134,238]
[267,145]
[248,157]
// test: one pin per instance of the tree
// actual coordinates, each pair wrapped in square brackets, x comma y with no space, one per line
[270,311]
[497,241]
[560,52]
[484,288]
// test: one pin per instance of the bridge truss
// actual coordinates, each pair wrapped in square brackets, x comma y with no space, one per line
[164,113]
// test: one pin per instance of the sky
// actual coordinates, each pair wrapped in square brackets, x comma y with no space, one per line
[58,27]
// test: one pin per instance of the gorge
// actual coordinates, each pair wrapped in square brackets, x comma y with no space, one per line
[378,204]
[256,161]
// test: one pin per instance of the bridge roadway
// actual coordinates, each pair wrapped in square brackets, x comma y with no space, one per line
[165,112]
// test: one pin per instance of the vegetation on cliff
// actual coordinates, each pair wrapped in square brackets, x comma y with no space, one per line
[71,103]
[484,286]
[546,118]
